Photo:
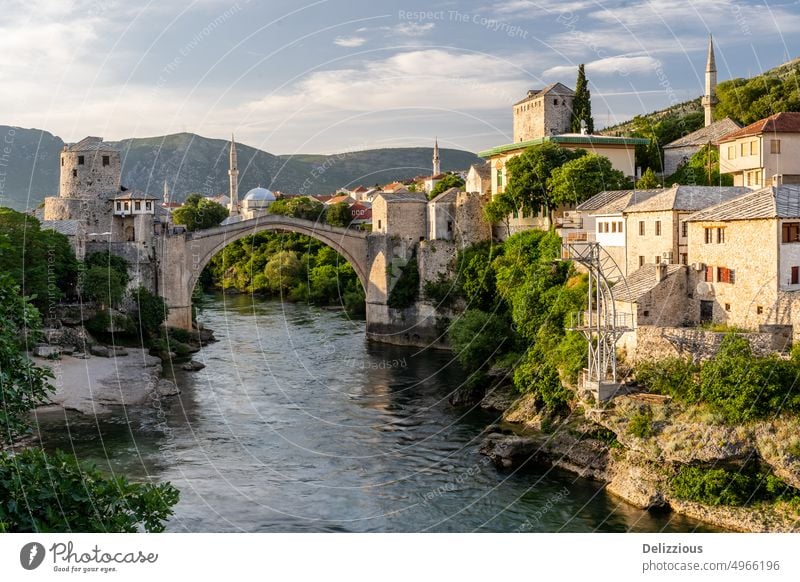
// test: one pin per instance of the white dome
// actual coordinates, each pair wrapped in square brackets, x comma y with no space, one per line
[260,194]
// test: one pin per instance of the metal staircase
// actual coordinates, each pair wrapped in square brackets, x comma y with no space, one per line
[600,323]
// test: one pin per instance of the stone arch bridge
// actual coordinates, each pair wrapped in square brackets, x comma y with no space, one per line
[182,257]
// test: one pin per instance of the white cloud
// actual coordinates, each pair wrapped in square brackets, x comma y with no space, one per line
[619,65]
[412,28]
[349,41]
[533,8]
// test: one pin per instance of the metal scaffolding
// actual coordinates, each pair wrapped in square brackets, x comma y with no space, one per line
[600,323]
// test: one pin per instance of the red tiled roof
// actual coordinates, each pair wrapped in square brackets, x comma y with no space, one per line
[784,122]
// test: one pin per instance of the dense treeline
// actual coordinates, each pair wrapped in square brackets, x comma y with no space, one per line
[518,296]
[291,266]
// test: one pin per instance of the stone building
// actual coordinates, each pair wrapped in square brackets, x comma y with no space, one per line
[745,253]
[763,152]
[680,151]
[479,178]
[458,216]
[402,215]
[543,112]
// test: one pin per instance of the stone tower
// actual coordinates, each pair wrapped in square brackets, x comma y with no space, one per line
[437,168]
[543,112]
[710,97]
[89,169]
[233,172]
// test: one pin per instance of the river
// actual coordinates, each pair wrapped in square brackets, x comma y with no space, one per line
[298,424]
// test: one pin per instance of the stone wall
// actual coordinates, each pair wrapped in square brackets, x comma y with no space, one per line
[471,227]
[91,178]
[549,114]
[655,343]
[674,157]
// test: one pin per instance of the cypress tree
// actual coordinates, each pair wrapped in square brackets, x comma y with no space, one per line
[582,104]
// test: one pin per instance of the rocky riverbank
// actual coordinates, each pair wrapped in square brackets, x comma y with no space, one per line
[596,443]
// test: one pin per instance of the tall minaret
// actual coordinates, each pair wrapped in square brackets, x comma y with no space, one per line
[166,192]
[710,98]
[436,166]
[233,172]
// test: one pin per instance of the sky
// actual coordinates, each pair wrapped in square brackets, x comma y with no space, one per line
[330,76]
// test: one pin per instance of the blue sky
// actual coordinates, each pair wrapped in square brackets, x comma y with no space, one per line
[332,75]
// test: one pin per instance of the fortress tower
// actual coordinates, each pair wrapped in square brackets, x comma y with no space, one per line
[89,169]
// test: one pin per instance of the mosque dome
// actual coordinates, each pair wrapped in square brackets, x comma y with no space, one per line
[259,195]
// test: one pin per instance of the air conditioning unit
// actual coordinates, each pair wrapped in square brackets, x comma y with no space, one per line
[666,257]
[699,266]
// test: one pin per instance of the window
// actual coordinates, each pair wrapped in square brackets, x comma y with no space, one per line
[62,161]
[619,226]
[709,274]
[684,259]
[743,149]
[641,228]
[720,235]
[74,173]
[790,232]
[709,232]
[137,205]
[754,147]
[555,101]
[106,160]
[81,160]
[613,227]
[641,261]
[658,260]
[684,229]
[723,275]
[658,228]
[774,146]
[379,223]
[727,307]
[731,152]
[127,206]
[119,205]
[499,178]
[795,275]
[759,310]
[147,205]
[449,226]
[646,312]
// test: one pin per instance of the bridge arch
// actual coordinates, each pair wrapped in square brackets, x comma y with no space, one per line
[185,256]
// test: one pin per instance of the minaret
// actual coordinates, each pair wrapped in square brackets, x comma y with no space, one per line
[233,172]
[436,166]
[710,98]
[166,193]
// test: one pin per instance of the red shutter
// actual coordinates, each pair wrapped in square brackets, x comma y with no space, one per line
[709,274]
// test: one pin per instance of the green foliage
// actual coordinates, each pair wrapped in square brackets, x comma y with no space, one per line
[478,337]
[583,177]
[640,424]
[102,322]
[199,212]
[582,104]
[702,169]
[721,486]
[303,207]
[529,186]
[23,386]
[748,100]
[41,262]
[111,262]
[338,214]
[441,292]
[499,209]
[103,285]
[648,181]
[54,493]
[447,182]
[734,384]
[661,131]
[288,265]
[540,377]
[475,277]
[151,311]
[406,289]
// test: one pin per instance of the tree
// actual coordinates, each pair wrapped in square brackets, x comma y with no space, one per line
[701,169]
[499,210]
[449,181]
[105,286]
[582,104]
[110,262]
[199,212]
[303,207]
[529,185]
[151,311]
[283,271]
[648,180]
[41,262]
[338,214]
[583,177]
[478,337]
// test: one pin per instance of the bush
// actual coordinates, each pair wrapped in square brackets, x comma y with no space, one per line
[54,493]
[180,335]
[640,424]
[478,338]
[199,212]
[676,377]
[338,214]
[537,376]
[108,261]
[726,487]
[151,311]
[104,285]
[441,292]
[406,289]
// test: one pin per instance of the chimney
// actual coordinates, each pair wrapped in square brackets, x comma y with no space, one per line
[661,272]
[777,180]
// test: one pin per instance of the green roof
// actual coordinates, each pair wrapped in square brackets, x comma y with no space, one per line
[565,139]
